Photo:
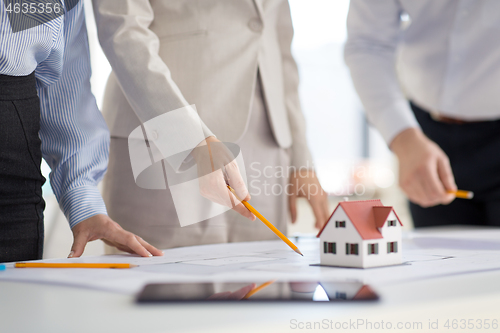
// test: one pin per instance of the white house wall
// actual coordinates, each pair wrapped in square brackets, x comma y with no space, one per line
[390,234]
[349,234]
[341,236]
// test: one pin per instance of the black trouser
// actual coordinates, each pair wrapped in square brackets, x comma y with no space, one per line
[21,202]
[474,153]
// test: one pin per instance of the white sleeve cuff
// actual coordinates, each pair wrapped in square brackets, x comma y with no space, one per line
[394,120]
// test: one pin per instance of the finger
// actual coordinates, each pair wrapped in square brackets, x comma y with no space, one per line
[409,187]
[151,249]
[129,240]
[446,176]
[318,210]
[119,246]
[434,189]
[213,187]
[223,193]
[240,208]
[416,193]
[240,293]
[79,242]
[326,210]
[123,248]
[412,187]
[292,202]
[327,206]
[236,181]
[218,192]
[116,245]
[318,224]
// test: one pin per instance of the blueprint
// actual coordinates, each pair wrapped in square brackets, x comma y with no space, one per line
[426,255]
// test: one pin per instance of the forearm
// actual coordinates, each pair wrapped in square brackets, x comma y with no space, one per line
[75,138]
[76,147]
[375,81]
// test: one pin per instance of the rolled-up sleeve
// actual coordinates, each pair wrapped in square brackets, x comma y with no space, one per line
[373,28]
[75,138]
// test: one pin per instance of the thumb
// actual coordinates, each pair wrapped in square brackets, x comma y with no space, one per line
[79,242]
[292,200]
[446,174]
[236,181]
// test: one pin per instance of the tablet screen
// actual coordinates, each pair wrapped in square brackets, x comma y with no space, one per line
[262,291]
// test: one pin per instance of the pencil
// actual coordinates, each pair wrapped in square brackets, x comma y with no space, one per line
[262,286]
[462,194]
[70,265]
[267,223]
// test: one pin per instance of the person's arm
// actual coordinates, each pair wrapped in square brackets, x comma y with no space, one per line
[303,182]
[133,52]
[373,29]
[75,144]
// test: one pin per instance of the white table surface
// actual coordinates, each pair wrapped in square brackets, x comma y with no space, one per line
[473,294]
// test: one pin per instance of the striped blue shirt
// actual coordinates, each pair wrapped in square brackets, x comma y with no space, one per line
[75,138]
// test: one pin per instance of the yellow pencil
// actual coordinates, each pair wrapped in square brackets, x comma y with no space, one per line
[462,194]
[262,286]
[266,222]
[70,265]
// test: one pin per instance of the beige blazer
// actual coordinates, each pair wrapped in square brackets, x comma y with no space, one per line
[167,54]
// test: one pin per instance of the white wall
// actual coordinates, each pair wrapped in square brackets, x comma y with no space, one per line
[340,236]
[349,234]
[390,234]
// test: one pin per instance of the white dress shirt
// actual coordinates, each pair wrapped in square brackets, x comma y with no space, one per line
[447,57]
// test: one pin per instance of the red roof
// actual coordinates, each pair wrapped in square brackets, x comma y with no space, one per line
[380,215]
[365,293]
[367,216]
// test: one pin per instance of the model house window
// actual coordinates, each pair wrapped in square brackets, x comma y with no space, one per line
[351,249]
[392,247]
[373,248]
[339,224]
[329,247]
[339,295]
[391,223]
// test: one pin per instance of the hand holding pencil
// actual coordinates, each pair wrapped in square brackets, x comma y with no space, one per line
[218,171]
[425,173]
[212,157]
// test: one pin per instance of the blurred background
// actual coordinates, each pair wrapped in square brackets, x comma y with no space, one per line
[351,159]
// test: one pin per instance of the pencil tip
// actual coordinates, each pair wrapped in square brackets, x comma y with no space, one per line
[298,251]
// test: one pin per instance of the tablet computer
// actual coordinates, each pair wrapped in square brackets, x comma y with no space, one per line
[279,291]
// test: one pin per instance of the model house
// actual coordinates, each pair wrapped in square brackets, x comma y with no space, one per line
[361,234]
